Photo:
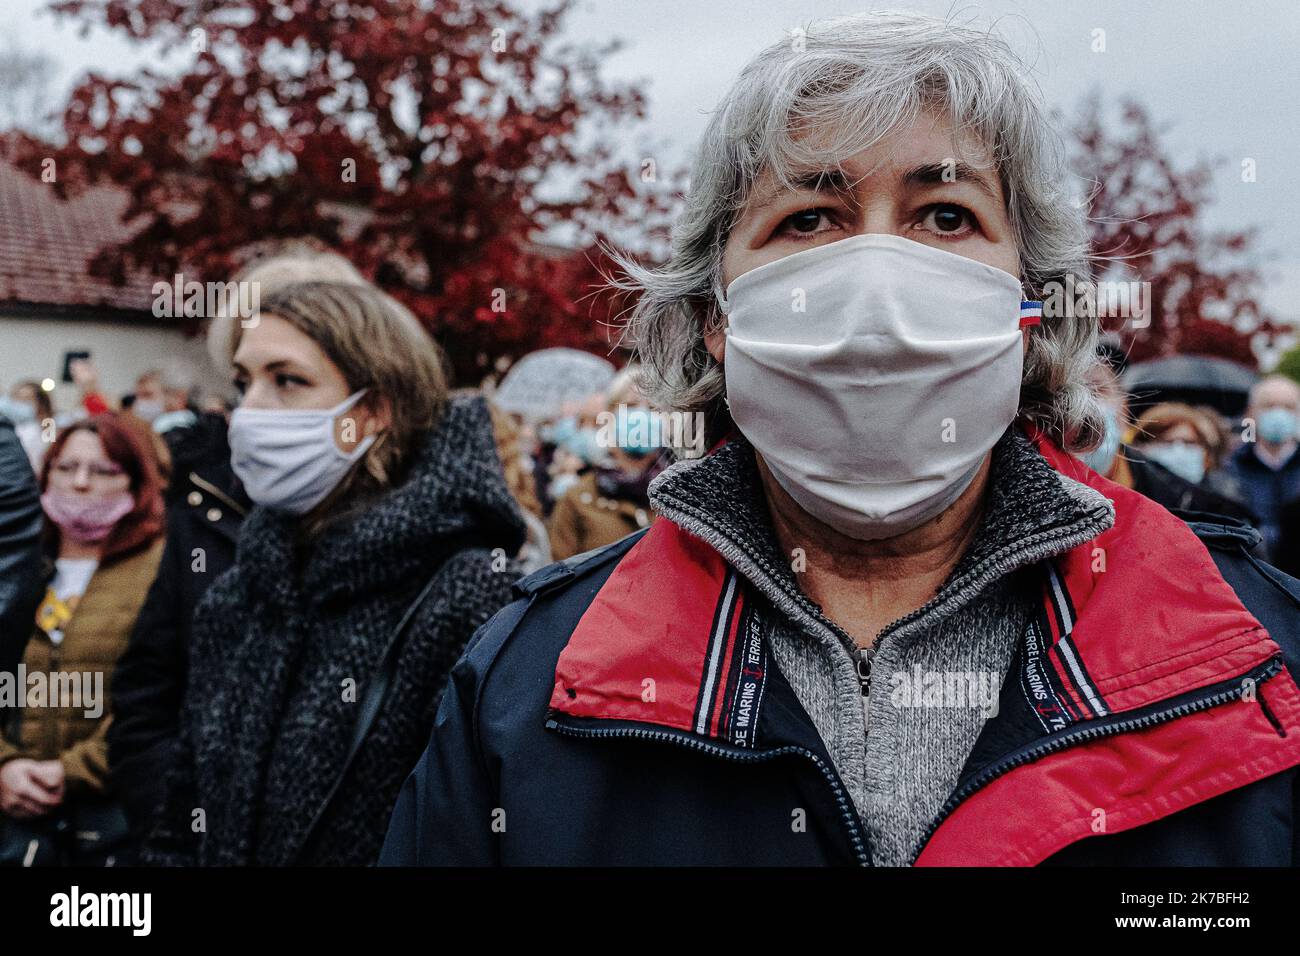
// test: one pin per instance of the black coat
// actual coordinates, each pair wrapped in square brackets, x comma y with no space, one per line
[284,642]
[1177,494]
[149,681]
[20,541]
[201,448]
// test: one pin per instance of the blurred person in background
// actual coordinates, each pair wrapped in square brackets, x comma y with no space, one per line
[610,499]
[1188,443]
[195,439]
[85,375]
[206,508]
[369,559]
[1104,379]
[21,522]
[1268,468]
[575,448]
[103,542]
[517,468]
[1122,458]
[151,398]
[29,408]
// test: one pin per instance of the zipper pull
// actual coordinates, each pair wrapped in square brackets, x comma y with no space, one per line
[862,659]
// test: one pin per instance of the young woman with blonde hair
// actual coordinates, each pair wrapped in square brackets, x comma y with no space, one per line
[377,546]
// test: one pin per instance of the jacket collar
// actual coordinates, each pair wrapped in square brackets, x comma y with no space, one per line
[1188,630]
[1131,620]
[1030,512]
[713,552]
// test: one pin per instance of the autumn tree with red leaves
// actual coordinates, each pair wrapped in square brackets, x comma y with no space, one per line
[438,145]
[1145,221]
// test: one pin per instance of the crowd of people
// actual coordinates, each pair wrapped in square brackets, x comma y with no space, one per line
[425,514]
[1194,459]
[278,586]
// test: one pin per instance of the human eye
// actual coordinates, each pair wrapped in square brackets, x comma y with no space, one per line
[948,221]
[805,224]
[288,381]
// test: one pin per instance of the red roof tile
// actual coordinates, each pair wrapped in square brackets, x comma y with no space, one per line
[46,245]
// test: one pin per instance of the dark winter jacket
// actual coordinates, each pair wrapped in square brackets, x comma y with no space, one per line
[149,683]
[1178,494]
[199,448]
[627,710]
[1287,556]
[21,521]
[1267,491]
[283,646]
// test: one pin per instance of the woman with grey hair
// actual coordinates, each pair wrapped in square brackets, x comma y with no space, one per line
[890,619]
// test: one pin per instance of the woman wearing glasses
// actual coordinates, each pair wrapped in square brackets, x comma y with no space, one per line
[104,519]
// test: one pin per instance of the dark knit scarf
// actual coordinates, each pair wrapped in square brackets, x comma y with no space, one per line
[285,642]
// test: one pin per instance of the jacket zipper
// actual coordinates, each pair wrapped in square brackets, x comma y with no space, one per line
[1258,675]
[862,661]
[847,813]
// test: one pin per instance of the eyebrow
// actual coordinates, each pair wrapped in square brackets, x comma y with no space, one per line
[276,366]
[834,180]
[935,174]
[817,180]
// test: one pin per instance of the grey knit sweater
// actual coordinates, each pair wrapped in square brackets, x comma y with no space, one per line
[934,673]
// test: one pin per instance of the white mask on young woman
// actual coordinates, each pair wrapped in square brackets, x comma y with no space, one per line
[875,403]
[287,459]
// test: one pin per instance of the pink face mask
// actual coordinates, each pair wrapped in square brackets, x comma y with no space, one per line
[86,518]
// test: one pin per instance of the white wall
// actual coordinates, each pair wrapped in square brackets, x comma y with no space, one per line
[33,348]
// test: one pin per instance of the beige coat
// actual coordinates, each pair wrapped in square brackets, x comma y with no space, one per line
[584,519]
[93,639]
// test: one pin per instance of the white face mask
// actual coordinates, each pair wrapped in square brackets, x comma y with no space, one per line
[147,408]
[287,459]
[1184,459]
[875,404]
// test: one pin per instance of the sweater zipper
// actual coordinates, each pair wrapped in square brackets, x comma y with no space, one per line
[862,662]
[1096,731]
[847,814]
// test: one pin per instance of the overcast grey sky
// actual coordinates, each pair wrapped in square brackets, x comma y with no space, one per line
[1224,78]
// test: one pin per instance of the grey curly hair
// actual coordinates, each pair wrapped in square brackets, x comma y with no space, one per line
[854,80]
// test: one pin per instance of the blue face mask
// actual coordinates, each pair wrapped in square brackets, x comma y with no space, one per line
[1278,425]
[1103,456]
[1184,460]
[20,413]
[638,431]
[583,443]
[562,431]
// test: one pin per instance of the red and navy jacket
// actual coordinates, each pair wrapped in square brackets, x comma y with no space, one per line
[627,710]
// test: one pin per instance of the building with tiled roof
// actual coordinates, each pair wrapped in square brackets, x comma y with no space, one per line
[50,304]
